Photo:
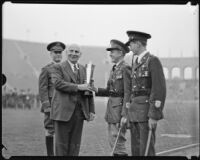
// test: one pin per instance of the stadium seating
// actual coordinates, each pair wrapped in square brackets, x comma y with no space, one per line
[22,62]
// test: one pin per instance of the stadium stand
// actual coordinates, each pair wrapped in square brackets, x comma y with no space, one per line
[22,62]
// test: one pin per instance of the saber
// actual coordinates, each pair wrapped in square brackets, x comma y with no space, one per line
[148,142]
[116,141]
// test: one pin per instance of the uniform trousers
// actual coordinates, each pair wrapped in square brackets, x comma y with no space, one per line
[112,135]
[139,135]
[48,124]
[68,134]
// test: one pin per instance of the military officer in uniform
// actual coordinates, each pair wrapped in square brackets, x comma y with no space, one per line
[46,90]
[119,76]
[148,93]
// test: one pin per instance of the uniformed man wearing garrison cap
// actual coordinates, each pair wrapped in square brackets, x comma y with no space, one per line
[148,93]
[46,90]
[119,76]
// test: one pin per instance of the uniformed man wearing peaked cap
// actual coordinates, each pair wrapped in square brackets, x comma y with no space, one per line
[46,92]
[136,35]
[119,75]
[117,45]
[148,93]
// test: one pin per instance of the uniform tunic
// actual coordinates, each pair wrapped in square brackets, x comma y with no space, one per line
[46,90]
[147,86]
[116,106]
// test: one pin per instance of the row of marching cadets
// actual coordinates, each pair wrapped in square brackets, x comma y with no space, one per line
[136,98]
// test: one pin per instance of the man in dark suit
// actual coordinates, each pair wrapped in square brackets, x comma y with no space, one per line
[70,105]
[148,93]
[46,92]
[119,76]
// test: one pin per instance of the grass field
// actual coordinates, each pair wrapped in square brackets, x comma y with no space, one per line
[23,133]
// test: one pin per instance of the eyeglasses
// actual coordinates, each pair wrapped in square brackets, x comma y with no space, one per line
[76,51]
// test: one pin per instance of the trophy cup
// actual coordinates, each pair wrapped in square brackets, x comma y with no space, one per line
[89,76]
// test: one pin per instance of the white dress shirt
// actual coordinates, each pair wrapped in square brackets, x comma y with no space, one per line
[72,65]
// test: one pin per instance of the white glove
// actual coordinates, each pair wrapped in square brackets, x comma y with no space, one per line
[157,104]
[92,116]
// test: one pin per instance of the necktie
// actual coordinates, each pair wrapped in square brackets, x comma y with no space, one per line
[114,67]
[75,70]
[76,73]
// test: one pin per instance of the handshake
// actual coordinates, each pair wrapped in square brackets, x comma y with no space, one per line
[87,87]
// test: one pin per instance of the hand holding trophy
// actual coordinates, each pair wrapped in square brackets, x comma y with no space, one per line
[89,76]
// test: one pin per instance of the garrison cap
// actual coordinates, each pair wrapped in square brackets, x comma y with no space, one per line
[136,35]
[58,46]
[3,81]
[118,45]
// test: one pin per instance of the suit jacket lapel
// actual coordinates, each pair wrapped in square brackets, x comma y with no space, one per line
[68,69]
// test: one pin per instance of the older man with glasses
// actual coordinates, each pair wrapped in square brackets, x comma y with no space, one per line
[46,92]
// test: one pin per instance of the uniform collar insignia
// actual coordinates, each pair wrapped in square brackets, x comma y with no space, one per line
[120,63]
[144,58]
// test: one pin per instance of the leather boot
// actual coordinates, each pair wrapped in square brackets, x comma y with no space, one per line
[49,145]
